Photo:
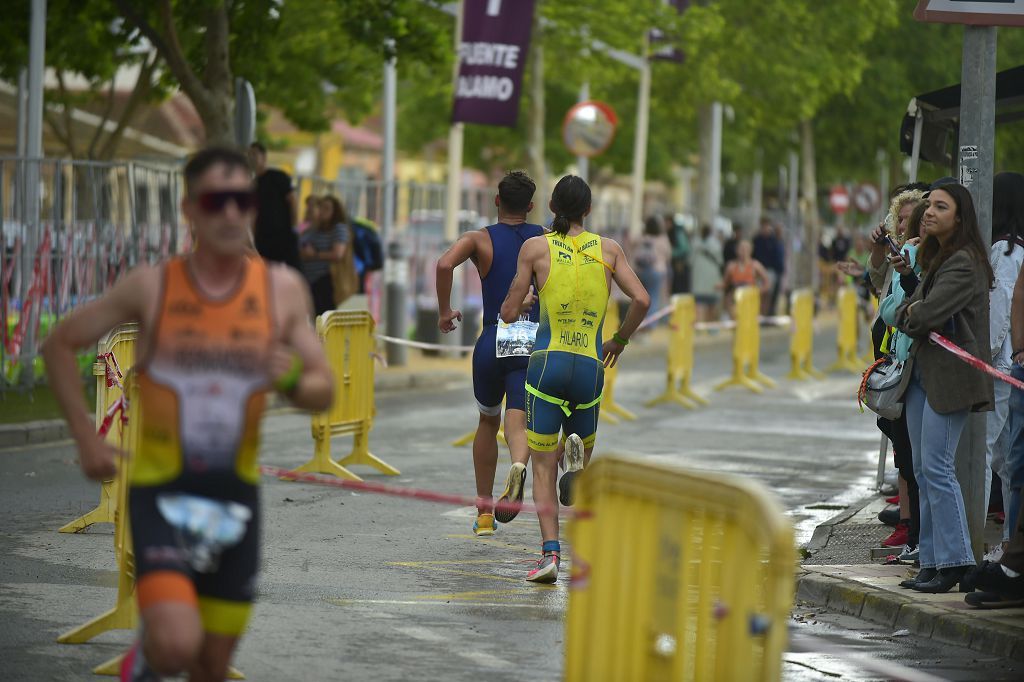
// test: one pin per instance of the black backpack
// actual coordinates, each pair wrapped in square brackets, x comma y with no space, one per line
[368,248]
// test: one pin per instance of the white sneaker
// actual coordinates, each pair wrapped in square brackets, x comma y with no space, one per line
[994,554]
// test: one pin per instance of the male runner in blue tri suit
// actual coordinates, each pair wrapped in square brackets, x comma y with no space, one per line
[502,352]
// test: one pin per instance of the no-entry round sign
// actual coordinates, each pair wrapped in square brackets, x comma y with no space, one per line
[867,198]
[839,200]
[589,128]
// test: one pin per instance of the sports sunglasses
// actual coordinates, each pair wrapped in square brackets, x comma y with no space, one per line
[214,202]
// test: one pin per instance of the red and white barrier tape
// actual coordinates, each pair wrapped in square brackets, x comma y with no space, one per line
[410,493]
[654,317]
[974,362]
[113,378]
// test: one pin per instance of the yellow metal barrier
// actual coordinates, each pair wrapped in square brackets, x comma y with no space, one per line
[611,411]
[347,336]
[123,616]
[468,438]
[121,343]
[680,356]
[697,586]
[846,334]
[746,350]
[801,346]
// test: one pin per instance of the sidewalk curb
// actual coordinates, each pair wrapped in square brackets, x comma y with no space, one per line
[823,531]
[15,436]
[924,620]
[961,627]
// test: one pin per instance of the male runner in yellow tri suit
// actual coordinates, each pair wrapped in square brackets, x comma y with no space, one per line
[573,269]
[218,328]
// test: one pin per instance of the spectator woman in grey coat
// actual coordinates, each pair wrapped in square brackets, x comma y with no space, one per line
[953,301]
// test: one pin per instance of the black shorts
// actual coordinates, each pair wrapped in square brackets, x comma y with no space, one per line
[225,587]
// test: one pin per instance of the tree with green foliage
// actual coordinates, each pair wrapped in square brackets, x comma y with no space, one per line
[99,47]
[310,58]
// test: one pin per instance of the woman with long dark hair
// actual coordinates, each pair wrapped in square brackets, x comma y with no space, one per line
[952,300]
[326,243]
[573,269]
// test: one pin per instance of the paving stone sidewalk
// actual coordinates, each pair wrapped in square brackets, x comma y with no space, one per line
[840,574]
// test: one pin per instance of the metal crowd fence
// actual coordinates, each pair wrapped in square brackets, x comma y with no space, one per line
[68,230]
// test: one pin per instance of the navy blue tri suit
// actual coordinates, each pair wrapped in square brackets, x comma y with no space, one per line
[497,378]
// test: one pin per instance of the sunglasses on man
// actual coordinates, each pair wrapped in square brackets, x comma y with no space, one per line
[215,202]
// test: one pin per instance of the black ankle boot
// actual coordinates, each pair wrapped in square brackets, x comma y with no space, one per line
[944,581]
[924,576]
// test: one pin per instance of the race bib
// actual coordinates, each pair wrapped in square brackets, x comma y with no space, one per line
[205,527]
[515,339]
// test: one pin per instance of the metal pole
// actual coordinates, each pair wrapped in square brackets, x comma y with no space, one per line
[883,184]
[22,112]
[453,192]
[34,154]
[915,154]
[396,270]
[643,107]
[756,190]
[583,162]
[976,154]
[793,210]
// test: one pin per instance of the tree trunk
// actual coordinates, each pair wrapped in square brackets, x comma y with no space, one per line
[217,110]
[809,206]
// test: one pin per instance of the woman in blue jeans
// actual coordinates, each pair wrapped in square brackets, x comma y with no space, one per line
[953,301]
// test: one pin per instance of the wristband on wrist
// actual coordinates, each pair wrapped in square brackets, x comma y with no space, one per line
[289,381]
[619,340]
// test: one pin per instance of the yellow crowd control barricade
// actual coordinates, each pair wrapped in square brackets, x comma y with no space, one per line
[801,345]
[611,411]
[124,614]
[347,336]
[709,561]
[466,439]
[115,355]
[846,334]
[746,350]
[680,356]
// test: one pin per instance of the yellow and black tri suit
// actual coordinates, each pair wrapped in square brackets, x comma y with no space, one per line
[202,390]
[565,376]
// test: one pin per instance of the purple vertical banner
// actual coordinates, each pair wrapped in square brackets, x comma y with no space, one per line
[492,55]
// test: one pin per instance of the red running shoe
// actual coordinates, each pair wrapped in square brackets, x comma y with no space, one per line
[899,536]
[895,499]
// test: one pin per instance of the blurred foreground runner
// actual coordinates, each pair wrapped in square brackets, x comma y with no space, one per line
[218,328]
[503,350]
[573,270]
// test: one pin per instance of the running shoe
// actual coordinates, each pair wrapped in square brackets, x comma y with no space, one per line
[484,526]
[889,517]
[134,667]
[573,465]
[909,555]
[515,484]
[546,570]
[899,536]
[994,554]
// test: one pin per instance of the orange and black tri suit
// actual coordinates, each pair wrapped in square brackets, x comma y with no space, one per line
[194,500]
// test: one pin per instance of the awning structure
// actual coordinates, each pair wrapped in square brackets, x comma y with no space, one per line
[933,119]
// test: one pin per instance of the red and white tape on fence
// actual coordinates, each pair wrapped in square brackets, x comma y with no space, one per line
[974,362]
